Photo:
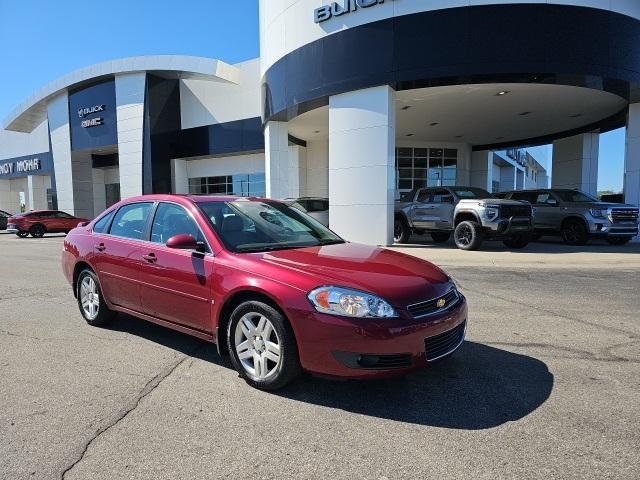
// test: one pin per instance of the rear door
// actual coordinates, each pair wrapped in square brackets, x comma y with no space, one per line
[176,284]
[443,201]
[549,213]
[118,254]
[423,213]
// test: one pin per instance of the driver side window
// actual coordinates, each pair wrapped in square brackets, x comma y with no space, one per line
[171,220]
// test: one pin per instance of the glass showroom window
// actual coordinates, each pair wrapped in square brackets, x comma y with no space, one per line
[245,185]
[425,167]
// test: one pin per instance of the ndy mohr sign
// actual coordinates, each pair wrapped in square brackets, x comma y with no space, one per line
[337,9]
[20,166]
[91,122]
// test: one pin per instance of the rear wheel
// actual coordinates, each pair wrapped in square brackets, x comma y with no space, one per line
[22,234]
[37,231]
[401,230]
[517,241]
[440,237]
[574,232]
[263,347]
[468,235]
[90,300]
[618,240]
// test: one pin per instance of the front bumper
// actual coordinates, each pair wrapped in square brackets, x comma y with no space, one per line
[604,228]
[509,226]
[12,228]
[370,348]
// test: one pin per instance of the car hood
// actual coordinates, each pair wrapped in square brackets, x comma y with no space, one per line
[400,279]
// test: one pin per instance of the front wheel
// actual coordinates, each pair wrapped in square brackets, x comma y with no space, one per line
[22,234]
[263,347]
[90,300]
[401,230]
[618,240]
[468,235]
[517,241]
[574,232]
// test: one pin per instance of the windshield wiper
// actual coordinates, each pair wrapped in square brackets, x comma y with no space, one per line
[266,248]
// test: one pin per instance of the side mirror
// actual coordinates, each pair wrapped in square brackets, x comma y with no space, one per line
[83,224]
[552,201]
[185,241]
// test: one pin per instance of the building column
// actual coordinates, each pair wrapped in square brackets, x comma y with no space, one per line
[632,157]
[130,93]
[362,173]
[575,163]
[482,170]
[37,191]
[508,178]
[179,176]
[276,159]
[318,168]
[60,137]
[9,199]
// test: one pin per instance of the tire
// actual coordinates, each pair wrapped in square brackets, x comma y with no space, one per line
[22,234]
[92,308]
[37,231]
[517,241]
[401,230]
[440,237]
[468,235]
[254,332]
[574,232]
[618,241]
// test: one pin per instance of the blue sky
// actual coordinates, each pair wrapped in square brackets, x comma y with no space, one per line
[41,40]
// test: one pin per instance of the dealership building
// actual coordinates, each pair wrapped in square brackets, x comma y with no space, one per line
[354,100]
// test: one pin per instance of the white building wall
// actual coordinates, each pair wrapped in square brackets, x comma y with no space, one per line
[276,165]
[318,168]
[130,91]
[575,162]
[10,194]
[362,172]
[482,169]
[36,195]
[206,102]
[211,167]
[18,144]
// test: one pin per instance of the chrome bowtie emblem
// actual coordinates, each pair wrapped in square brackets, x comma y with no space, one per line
[441,303]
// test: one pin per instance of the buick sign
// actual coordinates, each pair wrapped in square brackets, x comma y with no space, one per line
[82,112]
[326,12]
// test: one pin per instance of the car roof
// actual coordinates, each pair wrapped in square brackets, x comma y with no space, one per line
[158,197]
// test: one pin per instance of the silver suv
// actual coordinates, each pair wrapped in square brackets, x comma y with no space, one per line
[577,216]
[471,214]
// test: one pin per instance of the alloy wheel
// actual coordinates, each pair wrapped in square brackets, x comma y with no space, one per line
[257,345]
[464,235]
[89,298]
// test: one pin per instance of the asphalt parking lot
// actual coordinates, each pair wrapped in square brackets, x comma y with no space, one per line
[547,385]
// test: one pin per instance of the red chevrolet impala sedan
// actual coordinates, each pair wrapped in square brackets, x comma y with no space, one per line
[268,284]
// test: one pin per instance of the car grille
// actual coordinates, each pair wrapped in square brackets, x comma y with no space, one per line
[624,215]
[385,361]
[508,211]
[430,307]
[444,343]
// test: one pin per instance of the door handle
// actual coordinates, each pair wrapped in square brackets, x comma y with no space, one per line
[151,257]
[100,247]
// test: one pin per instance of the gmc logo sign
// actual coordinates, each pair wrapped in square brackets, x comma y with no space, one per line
[335,9]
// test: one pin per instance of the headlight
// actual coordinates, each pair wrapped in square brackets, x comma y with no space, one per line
[597,213]
[491,211]
[350,303]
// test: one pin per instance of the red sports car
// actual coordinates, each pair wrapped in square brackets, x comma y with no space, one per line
[38,222]
[268,284]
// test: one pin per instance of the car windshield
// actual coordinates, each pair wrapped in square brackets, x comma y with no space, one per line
[470,192]
[250,226]
[574,196]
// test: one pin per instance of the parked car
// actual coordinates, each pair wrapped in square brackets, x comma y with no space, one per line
[274,289]
[316,207]
[38,222]
[471,214]
[577,216]
[4,216]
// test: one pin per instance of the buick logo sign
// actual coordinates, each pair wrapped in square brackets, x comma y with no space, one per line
[336,9]
[82,112]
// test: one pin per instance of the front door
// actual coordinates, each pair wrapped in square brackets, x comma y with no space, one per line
[176,284]
[443,200]
[549,213]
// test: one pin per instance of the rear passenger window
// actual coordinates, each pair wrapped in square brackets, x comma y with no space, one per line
[101,225]
[131,220]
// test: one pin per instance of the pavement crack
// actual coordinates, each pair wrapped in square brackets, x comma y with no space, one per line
[149,387]
[11,334]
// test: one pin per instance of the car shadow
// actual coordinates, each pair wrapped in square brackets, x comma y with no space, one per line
[479,387]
